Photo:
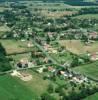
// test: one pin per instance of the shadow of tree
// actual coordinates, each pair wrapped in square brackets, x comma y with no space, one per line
[4,61]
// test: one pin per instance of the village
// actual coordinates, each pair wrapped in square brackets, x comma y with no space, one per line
[50,55]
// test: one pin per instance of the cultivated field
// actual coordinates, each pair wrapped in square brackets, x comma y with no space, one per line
[13,46]
[77,47]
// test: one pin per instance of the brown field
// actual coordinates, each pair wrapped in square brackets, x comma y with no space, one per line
[56,14]
[77,47]
[13,46]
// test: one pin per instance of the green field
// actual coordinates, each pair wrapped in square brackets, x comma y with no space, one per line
[13,88]
[90,70]
[92,97]
[87,16]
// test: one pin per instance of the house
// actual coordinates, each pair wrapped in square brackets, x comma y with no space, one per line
[94,56]
[40,70]
[51,69]
[23,63]
[30,44]
[93,35]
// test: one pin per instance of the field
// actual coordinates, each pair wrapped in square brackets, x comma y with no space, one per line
[87,16]
[90,70]
[77,47]
[17,89]
[57,14]
[13,46]
[92,97]
[3,8]
[12,89]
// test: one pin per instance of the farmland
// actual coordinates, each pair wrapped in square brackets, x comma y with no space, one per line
[77,47]
[90,16]
[15,46]
[90,70]
[92,97]
[46,49]
[14,89]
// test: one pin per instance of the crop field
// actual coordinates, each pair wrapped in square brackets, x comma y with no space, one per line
[77,47]
[13,46]
[90,70]
[57,14]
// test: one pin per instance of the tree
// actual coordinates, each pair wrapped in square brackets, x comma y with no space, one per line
[4,62]
[46,96]
[50,88]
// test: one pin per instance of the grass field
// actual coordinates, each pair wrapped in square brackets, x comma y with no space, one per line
[77,47]
[18,57]
[92,97]
[62,58]
[87,16]
[4,28]
[13,88]
[13,46]
[37,84]
[90,70]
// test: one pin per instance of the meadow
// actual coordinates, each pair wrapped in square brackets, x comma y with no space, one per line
[12,89]
[90,70]
[16,89]
[92,97]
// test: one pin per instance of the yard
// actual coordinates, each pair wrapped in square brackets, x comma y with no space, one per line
[77,47]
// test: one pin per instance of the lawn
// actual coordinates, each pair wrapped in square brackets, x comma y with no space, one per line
[13,46]
[90,70]
[77,47]
[92,97]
